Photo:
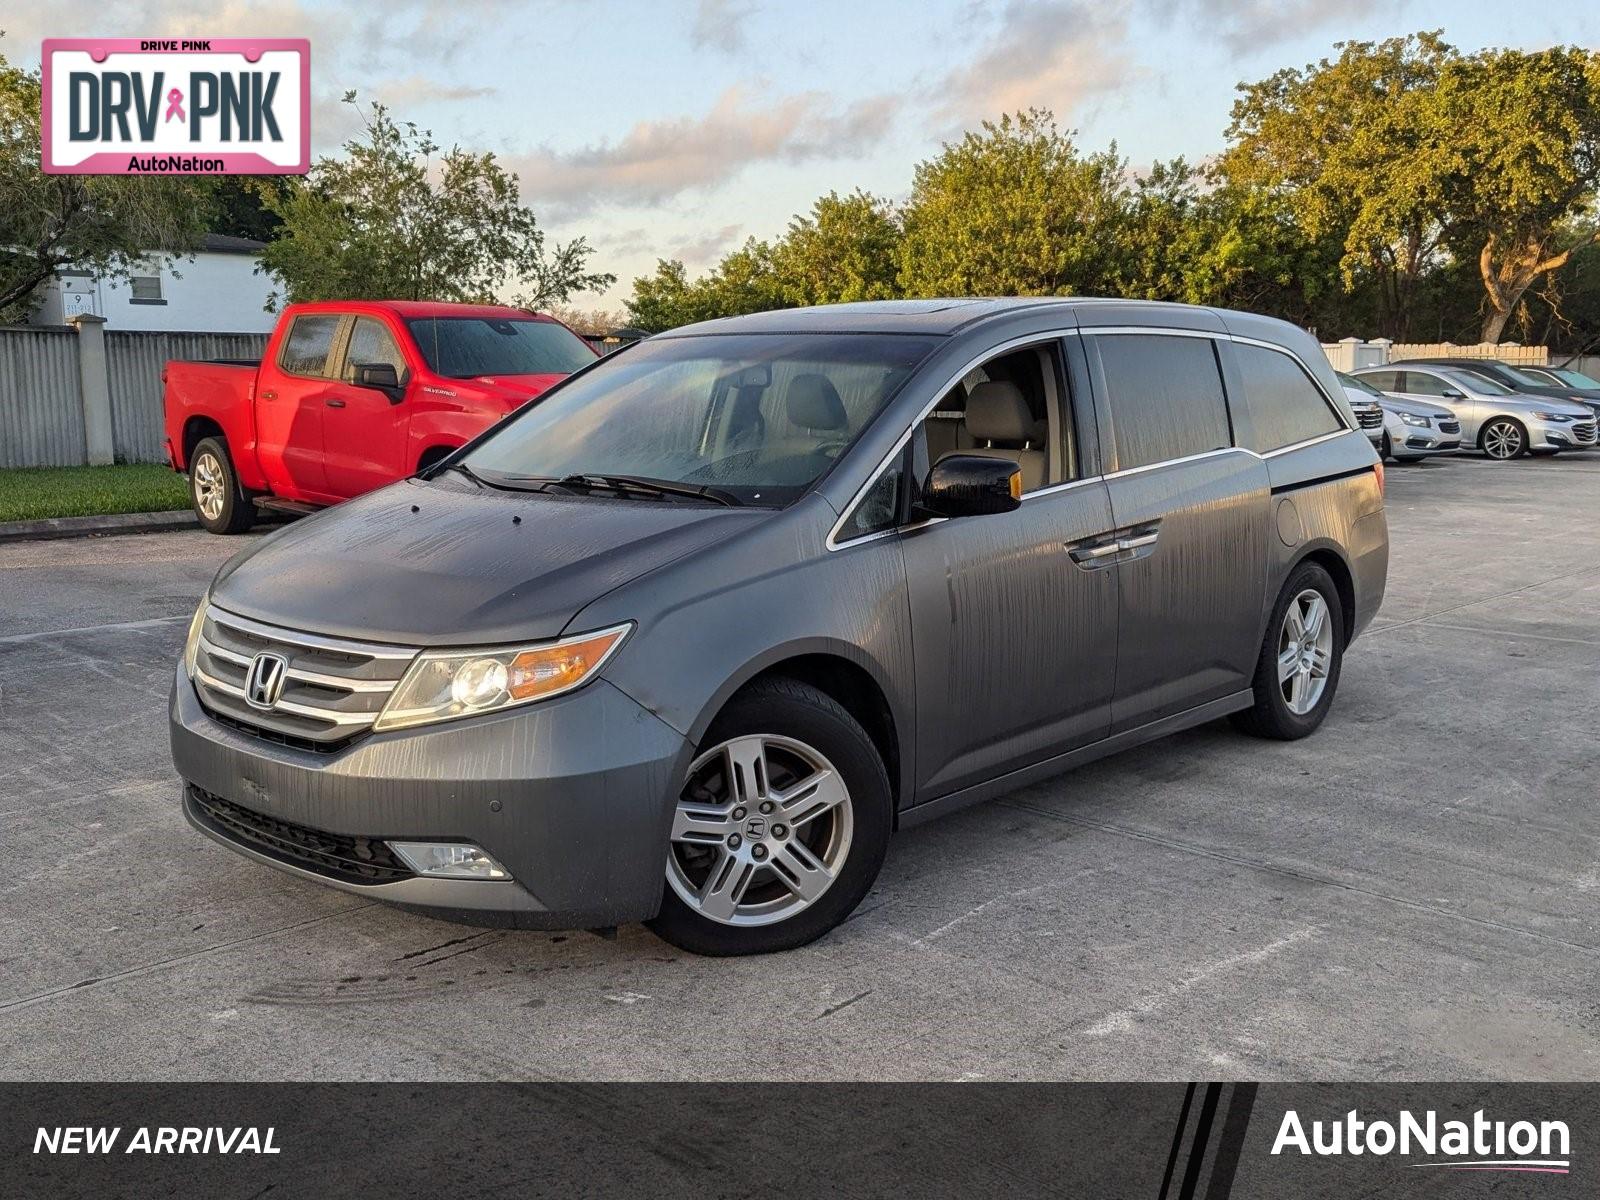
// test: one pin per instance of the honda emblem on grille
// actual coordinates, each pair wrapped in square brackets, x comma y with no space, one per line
[263,683]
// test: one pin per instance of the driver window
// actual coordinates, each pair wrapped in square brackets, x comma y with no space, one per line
[1010,407]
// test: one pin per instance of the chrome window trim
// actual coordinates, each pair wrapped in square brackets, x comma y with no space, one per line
[832,543]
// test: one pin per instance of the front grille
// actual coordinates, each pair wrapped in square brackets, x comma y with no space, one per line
[1450,426]
[1370,418]
[333,689]
[1584,433]
[350,859]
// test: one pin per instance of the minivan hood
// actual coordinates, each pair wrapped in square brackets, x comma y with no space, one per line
[443,563]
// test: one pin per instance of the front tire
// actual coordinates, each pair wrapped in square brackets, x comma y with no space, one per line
[1386,451]
[1302,653]
[214,490]
[781,826]
[1504,439]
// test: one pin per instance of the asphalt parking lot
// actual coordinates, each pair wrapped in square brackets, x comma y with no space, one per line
[1410,894]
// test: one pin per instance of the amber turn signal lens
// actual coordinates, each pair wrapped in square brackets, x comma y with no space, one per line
[555,668]
[1379,470]
[1016,485]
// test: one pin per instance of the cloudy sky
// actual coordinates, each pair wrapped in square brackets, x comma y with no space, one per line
[677,128]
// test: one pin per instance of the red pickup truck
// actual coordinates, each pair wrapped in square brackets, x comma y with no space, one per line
[350,396]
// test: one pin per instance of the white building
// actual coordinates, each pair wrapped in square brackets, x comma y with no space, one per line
[217,291]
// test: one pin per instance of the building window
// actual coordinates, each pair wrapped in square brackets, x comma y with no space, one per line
[146,289]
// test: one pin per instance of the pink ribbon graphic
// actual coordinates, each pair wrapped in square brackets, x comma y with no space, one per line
[175,105]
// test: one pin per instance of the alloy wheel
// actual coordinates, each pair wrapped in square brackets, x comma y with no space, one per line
[1503,439]
[209,483]
[1305,651]
[761,831]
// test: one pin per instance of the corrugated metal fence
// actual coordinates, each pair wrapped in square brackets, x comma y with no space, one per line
[41,390]
[41,399]
[134,361]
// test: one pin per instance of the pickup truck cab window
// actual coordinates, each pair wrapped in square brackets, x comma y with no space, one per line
[370,342]
[309,346]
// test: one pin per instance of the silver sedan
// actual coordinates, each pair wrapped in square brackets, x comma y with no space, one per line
[1502,423]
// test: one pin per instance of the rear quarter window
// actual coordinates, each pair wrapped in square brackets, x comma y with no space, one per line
[1165,395]
[310,342]
[1286,407]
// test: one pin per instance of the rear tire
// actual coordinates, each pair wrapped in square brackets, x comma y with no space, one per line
[1297,671]
[214,490]
[781,827]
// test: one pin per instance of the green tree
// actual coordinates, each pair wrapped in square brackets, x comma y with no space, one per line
[1524,164]
[844,250]
[106,224]
[1015,209]
[743,282]
[1355,149]
[385,221]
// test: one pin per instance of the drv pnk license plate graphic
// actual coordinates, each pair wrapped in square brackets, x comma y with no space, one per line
[218,106]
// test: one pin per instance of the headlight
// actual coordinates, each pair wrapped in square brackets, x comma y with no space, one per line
[1412,419]
[1558,418]
[443,685]
[191,644]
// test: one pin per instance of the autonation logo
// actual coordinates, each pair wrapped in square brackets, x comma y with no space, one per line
[1476,1145]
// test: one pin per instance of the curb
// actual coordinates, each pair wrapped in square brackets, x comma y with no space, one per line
[68,527]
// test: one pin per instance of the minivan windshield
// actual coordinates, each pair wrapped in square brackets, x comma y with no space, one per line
[755,418]
[469,347]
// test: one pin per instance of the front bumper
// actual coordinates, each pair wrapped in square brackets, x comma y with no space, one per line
[1572,435]
[574,797]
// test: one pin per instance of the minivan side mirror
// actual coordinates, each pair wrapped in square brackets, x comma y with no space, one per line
[971,485]
[1453,394]
[379,376]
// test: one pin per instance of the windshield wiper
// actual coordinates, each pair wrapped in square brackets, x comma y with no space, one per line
[503,483]
[639,485]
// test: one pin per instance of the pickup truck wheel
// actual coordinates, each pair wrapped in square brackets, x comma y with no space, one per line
[214,489]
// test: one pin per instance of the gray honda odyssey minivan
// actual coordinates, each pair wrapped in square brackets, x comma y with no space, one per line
[687,639]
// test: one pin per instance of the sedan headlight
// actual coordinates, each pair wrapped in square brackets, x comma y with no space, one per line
[1412,419]
[191,644]
[444,685]
[1558,418]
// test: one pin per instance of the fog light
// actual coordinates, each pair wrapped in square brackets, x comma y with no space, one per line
[449,860]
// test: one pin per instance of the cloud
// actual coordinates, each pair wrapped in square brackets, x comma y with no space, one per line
[656,160]
[719,25]
[1248,25]
[708,247]
[1047,54]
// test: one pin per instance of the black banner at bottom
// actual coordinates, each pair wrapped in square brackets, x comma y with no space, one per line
[1156,1141]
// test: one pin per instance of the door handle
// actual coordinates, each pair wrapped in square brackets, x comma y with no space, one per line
[1093,552]
[1134,543]
[335,403]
